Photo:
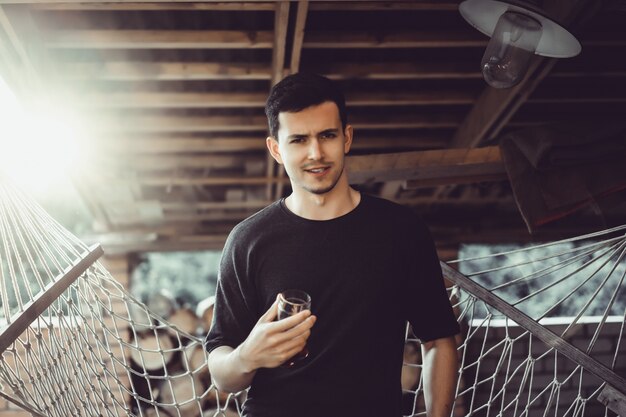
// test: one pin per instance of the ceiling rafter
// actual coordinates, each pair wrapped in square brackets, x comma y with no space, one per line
[294,66]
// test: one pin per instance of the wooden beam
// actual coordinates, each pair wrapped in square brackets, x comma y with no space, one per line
[294,66]
[173,71]
[136,71]
[158,39]
[172,180]
[473,202]
[195,39]
[49,294]
[281,22]
[153,124]
[443,5]
[156,100]
[437,165]
[613,399]
[495,107]
[395,39]
[298,36]
[185,161]
[162,100]
[182,144]
[164,71]
[440,165]
[214,205]
[125,220]
[122,5]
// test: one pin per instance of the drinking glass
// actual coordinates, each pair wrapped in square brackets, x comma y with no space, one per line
[291,302]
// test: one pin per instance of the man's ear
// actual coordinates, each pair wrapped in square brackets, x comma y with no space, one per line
[272,146]
[347,134]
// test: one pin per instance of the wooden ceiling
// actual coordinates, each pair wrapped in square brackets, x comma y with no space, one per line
[173,94]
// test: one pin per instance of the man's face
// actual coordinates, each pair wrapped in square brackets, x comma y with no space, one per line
[312,146]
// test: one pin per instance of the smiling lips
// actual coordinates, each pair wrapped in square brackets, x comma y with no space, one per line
[318,170]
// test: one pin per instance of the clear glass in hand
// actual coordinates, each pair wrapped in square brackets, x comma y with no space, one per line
[291,302]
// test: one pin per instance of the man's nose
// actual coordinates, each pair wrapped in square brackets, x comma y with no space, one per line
[315,150]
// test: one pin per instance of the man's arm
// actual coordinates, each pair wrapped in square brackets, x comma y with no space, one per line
[269,345]
[439,359]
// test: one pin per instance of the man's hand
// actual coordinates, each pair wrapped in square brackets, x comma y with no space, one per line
[271,342]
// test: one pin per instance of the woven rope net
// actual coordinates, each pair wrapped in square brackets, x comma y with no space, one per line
[75,342]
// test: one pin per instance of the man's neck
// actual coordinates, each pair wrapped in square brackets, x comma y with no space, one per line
[323,206]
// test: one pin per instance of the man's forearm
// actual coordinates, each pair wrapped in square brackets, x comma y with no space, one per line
[440,367]
[228,371]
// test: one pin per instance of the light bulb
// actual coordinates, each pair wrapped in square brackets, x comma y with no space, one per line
[508,53]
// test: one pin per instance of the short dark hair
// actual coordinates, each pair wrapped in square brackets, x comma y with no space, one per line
[298,91]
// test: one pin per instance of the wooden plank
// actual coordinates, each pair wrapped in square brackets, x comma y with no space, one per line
[178,144]
[395,39]
[613,399]
[546,336]
[153,124]
[50,293]
[185,161]
[214,205]
[194,39]
[135,71]
[163,71]
[158,39]
[181,144]
[298,35]
[436,165]
[443,5]
[155,100]
[281,22]
[170,180]
[166,5]
[466,202]
[160,100]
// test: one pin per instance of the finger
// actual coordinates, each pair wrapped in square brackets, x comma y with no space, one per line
[293,351]
[289,322]
[270,314]
[300,329]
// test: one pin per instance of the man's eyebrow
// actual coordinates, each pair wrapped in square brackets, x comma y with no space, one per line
[332,130]
[297,136]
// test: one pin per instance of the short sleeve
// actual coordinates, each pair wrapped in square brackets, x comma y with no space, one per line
[428,307]
[235,310]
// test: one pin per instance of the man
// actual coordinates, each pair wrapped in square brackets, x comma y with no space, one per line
[369,265]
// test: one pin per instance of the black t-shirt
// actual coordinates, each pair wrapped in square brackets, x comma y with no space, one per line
[368,272]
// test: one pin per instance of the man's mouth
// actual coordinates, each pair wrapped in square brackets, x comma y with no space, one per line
[317,170]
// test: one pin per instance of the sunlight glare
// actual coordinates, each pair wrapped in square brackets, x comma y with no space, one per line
[38,144]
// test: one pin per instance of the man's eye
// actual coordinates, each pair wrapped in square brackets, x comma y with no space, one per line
[328,136]
[297,140]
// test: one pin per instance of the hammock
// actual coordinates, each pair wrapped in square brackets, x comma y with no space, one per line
[75,342]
